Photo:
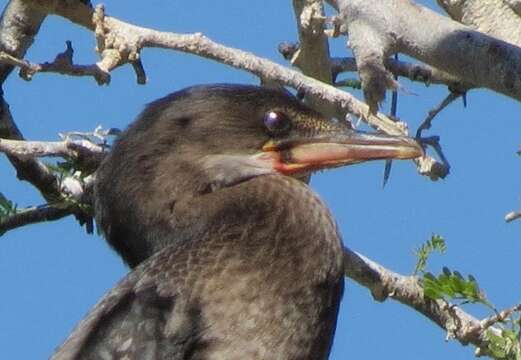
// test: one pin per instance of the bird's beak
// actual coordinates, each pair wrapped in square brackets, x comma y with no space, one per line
[294,156]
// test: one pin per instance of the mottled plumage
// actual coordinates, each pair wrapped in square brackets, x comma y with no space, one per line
[233,258]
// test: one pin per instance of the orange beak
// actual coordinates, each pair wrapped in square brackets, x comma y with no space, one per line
[338,149]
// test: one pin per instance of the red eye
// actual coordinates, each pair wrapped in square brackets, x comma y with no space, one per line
[277,122]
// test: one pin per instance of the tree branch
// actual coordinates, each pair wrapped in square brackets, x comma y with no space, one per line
[75,199]
[67,148]
[474,57]
[62,64]
[384,283]
[499,19]
[19,24]
[27,169]
[426,124]
[500,317]
[312,56]
[414,72]
[513,215]
[127,39]
[120,43]
[34,215]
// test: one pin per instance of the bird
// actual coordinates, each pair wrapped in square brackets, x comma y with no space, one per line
[232,255]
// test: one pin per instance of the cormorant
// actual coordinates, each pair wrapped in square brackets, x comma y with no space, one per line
[233,256]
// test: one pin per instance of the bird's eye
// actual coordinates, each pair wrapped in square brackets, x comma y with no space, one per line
[277,122]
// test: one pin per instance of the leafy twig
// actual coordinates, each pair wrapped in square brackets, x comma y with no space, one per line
[436,243]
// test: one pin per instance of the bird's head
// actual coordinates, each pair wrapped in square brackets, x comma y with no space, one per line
[204,138]
[230,133]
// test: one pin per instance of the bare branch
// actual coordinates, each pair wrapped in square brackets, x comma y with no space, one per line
[476,58]
[128,40]
[428,166]
[21,153]
[415,72]
[66,148]
[30,170]
[19,25]
[313,56]
[513,215]
[114,52]
[62,64]
[120,43]
[34,215]
[499,19]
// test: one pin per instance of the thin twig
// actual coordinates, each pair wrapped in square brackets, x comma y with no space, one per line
[62,64]
[34,215]
[513,215]
[426,124]
[500,317]
[434,142]
[394,110]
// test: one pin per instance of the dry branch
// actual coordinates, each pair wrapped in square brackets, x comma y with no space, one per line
[312,56]
[67,148]
[34,215]
[513,215]
[19,25]
[472,56]
[75,199]
[414,72]
[28,169]
[62,64]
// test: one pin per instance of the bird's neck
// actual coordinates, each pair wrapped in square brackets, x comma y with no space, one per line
[280,214]
[270,204]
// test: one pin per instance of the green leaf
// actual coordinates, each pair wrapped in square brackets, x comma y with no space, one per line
[436,243]
[432,293]
[506,346]
[451,285]
[7,207]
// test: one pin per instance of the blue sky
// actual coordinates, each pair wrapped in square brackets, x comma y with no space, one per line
[51,274]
